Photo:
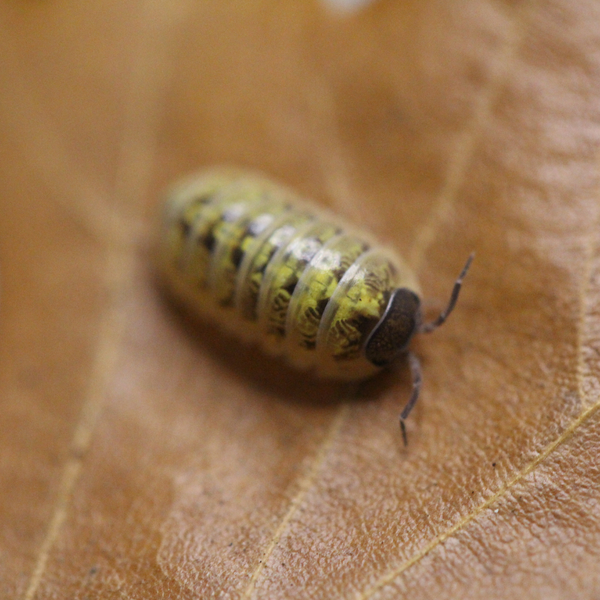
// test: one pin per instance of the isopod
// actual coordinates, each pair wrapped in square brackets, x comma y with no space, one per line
[251,255]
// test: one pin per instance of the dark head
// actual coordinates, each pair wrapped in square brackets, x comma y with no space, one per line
[402,319]
[399,323]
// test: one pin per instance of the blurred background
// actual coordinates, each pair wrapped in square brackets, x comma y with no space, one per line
[141,457]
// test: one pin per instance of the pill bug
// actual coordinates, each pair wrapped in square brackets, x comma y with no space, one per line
[249,254]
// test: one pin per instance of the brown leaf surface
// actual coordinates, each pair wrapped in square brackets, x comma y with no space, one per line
[141,457]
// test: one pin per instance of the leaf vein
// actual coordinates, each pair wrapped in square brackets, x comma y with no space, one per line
[304,485]
[565,435]
[133,176]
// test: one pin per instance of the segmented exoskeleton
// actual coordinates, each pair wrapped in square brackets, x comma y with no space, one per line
[272,268]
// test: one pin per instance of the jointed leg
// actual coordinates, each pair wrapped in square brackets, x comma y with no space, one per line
[415,369]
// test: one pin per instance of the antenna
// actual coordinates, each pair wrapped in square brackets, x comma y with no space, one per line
[433,325]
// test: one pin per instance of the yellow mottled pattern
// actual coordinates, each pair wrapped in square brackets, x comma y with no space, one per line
[356,306]
[284,271]
[186,202]
[197,251]
[316,286]
[248,213]
[255,263]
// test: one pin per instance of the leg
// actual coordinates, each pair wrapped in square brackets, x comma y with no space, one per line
[415,369]
[428,327]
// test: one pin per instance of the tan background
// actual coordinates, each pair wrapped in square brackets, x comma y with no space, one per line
[143,458]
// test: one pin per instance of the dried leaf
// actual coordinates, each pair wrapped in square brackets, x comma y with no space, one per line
[144,456]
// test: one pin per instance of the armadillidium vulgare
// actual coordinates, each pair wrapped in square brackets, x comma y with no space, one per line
[249,254]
